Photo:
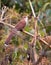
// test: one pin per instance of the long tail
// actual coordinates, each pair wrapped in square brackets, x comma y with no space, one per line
[9,38]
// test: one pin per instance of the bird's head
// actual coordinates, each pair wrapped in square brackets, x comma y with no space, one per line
[26,19]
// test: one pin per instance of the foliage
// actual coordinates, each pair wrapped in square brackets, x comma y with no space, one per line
[21,8]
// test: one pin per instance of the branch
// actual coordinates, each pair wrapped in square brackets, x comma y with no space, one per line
[32,9]
[35,34]
[28,33]
[41,39]
[11,26]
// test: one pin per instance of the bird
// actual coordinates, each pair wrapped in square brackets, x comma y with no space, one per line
[19,27]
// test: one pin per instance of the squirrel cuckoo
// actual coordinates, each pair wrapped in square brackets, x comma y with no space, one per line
[19,27]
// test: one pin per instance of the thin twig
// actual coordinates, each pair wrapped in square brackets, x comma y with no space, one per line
[28,33]
[11,26]
[44,42]
[32,9]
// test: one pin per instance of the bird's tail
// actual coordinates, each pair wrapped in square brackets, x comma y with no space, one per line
[9,38]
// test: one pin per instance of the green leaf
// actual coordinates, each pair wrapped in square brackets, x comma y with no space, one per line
[27,28]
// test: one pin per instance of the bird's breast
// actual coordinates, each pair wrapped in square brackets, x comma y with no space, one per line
[20,25]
